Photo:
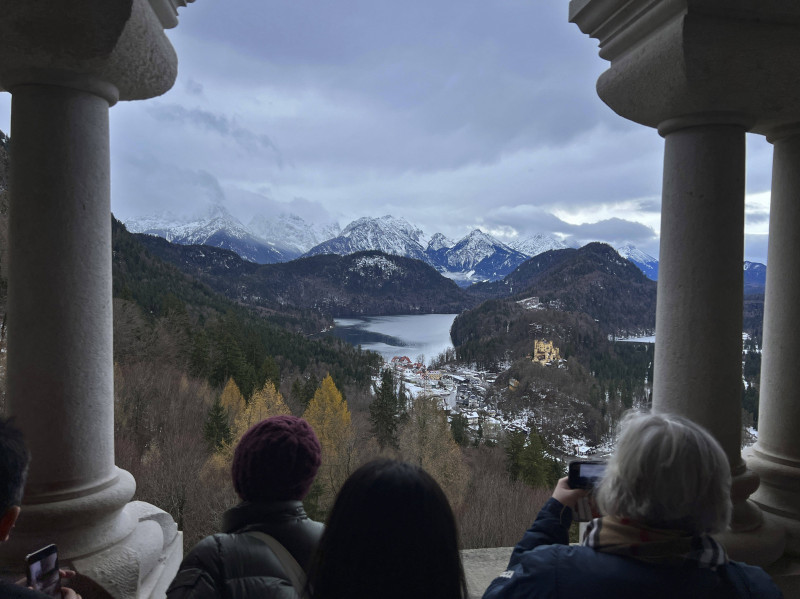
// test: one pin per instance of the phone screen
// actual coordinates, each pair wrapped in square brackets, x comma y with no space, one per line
[593,472]
[585,474]
[43,571]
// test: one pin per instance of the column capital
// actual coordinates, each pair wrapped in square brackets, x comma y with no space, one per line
[117,50]
[705,119]
[680,57]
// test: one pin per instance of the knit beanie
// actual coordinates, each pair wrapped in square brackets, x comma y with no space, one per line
[276,459]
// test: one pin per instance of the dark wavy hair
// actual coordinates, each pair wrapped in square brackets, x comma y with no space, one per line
[14,458]
[391,534]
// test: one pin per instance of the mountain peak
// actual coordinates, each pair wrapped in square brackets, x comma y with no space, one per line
[439,241]
[646,263]
[538,244]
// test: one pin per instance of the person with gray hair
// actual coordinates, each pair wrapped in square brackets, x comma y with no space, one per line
[665,491]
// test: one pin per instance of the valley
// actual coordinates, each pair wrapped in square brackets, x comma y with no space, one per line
[207,339]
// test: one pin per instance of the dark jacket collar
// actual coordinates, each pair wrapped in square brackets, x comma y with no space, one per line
[250,514]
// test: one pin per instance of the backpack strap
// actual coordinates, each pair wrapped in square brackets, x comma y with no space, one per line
[291,568]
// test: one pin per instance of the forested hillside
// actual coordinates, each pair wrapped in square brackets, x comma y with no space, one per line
[364,283]
[593,280]
[576,301]
[217,339]
[194,371]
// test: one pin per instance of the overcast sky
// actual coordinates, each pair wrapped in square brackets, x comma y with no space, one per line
[454,114]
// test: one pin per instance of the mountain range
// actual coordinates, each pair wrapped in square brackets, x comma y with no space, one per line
[478,257]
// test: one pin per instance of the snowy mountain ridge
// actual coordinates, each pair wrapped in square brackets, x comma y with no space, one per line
[538,244]
[476,257]
[646,263]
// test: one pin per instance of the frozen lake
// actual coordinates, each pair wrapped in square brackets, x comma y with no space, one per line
[404,335]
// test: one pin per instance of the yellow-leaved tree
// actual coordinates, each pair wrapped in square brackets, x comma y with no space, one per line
[425,439]
[232,399]
[329,416]
[264,403]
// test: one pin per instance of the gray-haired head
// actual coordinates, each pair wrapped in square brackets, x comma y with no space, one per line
[667,472]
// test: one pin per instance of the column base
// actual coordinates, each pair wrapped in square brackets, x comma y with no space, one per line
[761,546]
[143,564]
[777,496]
[119,549]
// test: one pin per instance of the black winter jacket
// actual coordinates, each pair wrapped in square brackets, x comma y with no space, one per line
[544,565]
[235,566]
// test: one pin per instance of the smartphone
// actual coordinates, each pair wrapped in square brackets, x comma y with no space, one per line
[585,474]
[42,567]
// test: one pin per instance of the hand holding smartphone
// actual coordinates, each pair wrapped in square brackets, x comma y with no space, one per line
[585,474]
[43,573]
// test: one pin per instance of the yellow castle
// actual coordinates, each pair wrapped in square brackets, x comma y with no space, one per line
[544,352]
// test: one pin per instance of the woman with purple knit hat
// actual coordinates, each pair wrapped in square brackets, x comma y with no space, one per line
[267,540]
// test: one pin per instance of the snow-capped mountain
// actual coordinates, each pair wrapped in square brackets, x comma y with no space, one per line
[439,242]
[437,248]
[538,244]
[755,277]
[217,228]
[467,253]
[386,234]
[291,231]
[646,263]
[479,257]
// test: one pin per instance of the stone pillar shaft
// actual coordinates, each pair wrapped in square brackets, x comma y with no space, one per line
[60,358]
[699,310]
[776,456]
[60,322]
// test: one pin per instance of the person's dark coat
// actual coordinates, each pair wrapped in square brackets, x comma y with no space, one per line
[543,564]
[10,590]
[236,565]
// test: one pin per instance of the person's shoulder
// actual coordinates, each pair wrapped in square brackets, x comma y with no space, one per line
[754,579]
[537,571]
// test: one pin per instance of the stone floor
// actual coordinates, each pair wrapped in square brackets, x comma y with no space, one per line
[481,566]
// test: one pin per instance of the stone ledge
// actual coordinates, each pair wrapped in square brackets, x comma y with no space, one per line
[482,566]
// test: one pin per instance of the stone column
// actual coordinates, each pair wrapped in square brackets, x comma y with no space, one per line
[60,341]
[703,73]
[697,370]
[698,356]
[776,456]
[60,369]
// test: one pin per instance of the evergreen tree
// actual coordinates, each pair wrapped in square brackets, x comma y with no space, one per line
[528,461]
[458,427]
[198,358]
[270,372]
[384,412]
[310,388]
[297,392]
[216,430]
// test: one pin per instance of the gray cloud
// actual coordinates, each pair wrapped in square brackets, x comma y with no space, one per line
[193,87]
[615,231]
[221,124]
[755,248]
[452,115]
[152,186]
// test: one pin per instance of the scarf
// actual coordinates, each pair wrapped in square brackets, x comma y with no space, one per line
[622,536]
